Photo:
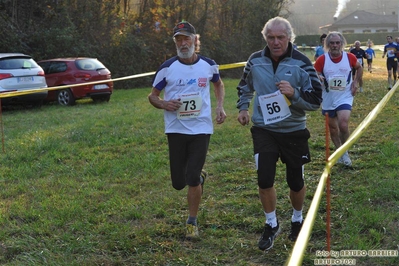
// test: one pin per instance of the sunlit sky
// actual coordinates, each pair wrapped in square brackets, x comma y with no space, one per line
[329,8]
[308,15]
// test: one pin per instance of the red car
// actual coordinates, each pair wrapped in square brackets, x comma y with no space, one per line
[67,71]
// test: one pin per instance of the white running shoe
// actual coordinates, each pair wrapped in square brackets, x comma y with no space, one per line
[345,159]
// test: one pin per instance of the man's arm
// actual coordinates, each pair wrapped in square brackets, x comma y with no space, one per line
[384,53]
[159,103]
[358,77]
[219,94]
[245,95]
[311,90]
[155,100]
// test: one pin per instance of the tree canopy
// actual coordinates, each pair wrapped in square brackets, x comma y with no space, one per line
[133,36]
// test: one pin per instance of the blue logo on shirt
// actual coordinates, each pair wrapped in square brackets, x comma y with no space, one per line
[192,81]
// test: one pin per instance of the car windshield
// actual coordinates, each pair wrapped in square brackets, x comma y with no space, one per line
[89,64]
[17,63]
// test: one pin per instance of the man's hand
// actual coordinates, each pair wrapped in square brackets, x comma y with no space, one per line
[172,105]
[243,117]
[220,115]
[285,88]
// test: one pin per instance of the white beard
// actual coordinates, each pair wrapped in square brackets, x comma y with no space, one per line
[187,54]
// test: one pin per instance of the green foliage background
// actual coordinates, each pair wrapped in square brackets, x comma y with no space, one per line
[121,33]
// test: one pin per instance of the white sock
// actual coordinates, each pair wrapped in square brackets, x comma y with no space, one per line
[271,218]
[296,216]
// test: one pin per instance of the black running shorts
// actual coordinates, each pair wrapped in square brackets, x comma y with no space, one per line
[292,147]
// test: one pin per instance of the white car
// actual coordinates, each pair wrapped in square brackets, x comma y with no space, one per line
[19,72]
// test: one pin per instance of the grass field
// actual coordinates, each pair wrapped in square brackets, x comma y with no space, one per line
[89,185]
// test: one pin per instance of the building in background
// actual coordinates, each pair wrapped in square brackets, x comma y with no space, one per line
[363,22]
[308,15]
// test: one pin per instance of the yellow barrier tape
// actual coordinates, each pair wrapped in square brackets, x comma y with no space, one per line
[228,66]
[297,254]
[18,93]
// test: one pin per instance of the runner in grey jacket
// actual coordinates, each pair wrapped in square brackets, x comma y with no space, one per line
[260,75]
[286,85]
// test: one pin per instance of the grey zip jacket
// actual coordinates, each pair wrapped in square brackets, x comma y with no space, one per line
[260,77]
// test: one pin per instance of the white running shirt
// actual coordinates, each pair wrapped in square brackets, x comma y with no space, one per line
[191,84]
[339,80]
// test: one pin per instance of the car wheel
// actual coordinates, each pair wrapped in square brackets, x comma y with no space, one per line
[65,97]
[104,98]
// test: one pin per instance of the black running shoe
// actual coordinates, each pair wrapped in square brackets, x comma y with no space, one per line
[267,239]
[295,229]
